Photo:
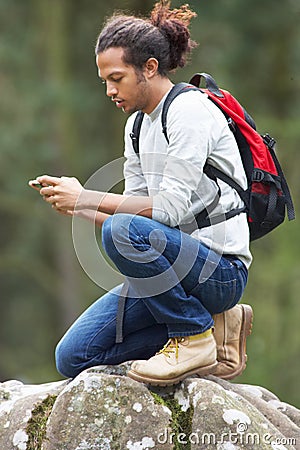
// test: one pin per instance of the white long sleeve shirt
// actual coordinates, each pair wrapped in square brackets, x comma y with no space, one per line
[173,173]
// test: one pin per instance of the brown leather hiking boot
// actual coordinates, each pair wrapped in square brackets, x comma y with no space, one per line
[231,330]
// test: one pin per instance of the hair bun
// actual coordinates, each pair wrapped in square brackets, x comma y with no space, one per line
[162,12]
[173,24]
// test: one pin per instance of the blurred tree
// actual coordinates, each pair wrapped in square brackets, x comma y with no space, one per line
[55,118]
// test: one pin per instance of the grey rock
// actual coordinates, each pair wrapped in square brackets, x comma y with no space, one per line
[223,419]
[100,411]
[284,417]
[103,409]
[17,401]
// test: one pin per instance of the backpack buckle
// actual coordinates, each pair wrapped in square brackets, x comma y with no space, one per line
[133,136]
[257,175]
[269,141]
[231,124]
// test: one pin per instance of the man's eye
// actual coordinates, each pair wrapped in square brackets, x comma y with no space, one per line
[103,81]
[116,80]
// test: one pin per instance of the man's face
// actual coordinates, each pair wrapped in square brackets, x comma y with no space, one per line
[123,85]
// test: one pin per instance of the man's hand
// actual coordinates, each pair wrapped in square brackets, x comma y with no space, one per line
[67,196]
[61,192]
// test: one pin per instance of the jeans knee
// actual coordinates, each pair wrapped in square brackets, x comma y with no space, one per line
[115,232]
[113,226]
[63,361]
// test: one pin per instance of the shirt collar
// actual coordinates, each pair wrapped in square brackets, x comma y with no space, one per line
[156,112]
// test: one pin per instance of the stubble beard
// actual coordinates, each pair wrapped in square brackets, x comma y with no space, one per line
[143,94]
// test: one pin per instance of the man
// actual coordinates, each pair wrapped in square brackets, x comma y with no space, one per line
[176,281]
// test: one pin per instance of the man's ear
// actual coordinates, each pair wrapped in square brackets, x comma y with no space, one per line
[151,67]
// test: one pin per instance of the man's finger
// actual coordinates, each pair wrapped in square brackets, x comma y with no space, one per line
[50,199]
[47,179]
[46,191]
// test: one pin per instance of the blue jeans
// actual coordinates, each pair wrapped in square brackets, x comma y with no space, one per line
[175,285]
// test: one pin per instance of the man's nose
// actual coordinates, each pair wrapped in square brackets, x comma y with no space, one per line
[111,90]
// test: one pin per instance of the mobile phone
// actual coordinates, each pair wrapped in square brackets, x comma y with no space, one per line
[37,184]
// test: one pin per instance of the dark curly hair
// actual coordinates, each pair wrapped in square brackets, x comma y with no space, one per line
[164,36]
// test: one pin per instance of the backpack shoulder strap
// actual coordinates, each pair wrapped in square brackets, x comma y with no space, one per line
[174,92]
[136,129]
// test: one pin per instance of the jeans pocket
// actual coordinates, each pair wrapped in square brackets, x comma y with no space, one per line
[216,295]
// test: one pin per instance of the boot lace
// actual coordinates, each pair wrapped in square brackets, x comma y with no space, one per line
[171,346]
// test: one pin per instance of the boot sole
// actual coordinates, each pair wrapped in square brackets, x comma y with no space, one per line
[246,330]
[207,370]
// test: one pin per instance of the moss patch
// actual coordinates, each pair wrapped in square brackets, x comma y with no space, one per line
[181,421]
[36,427]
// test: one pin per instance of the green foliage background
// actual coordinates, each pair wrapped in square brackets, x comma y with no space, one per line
[56,119]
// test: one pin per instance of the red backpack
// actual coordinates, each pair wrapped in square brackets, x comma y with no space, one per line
[267,198]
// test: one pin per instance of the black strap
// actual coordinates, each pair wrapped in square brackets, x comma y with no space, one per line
[272,202]
[136,130]
[289,202]
[174,92]
[210,83]
[249,119]
[207,220]
[212,172]
[218,218]
[120,312]
[203,216]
